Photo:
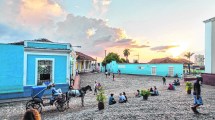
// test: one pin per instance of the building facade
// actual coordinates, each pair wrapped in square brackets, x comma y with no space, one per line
[84,63]
[31,63]
[160,69]
[209,76]
[210,45]
[199,60]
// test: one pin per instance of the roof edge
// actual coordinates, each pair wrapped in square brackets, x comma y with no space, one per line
[209,20]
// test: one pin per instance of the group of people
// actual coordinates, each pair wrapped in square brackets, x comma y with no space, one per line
[176,82]
[154,92]
[107,73]
[122,98]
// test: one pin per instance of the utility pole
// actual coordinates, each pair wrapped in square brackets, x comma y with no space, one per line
[137,57]
[105,60]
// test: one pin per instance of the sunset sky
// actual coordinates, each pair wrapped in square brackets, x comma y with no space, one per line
[150,28]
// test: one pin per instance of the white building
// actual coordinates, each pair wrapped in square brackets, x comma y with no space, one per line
[210,45]
[199,60]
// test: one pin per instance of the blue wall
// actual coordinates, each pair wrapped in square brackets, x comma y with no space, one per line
[145,69]
[11,68]
[48,45]
[60,68]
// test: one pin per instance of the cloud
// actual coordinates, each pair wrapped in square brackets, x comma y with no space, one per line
[100,7]
[163,48]
[30,14]
[39,19]
[122,43]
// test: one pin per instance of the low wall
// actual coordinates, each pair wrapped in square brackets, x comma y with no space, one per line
[189,79]
[208,79]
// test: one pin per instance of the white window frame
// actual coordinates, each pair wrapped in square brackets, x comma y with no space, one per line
[172,71]
[36,68]
[155,69]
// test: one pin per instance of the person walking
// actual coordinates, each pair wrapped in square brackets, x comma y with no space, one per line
[113,76]
[164,81]
[197,95]
[106,73]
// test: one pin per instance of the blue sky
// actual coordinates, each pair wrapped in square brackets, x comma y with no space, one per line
[164,28]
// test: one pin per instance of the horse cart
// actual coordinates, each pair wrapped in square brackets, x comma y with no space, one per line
[37,101]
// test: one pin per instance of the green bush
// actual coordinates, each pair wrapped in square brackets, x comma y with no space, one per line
[189,86]
[145,92]
[100,97]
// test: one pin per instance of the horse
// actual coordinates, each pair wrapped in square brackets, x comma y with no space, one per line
[77,93]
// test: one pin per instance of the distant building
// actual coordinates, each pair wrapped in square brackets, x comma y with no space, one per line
[210,45]
[199,60]
[209,76]
[84,63]
[174,61]
[158,69]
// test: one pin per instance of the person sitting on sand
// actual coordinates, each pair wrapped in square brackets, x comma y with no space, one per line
[126,99]
[151,90]
[171,87]
[137,94]
[121,98]
[155,92]
[111,100]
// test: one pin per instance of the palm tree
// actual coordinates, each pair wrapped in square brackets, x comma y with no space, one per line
[126,53]
[188,56]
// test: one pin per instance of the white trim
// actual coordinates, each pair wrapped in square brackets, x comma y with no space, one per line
[25,69]
[172,70]
[152,70]
[37,53]
[36,68]
[68,69]
[46,53]
[47,50]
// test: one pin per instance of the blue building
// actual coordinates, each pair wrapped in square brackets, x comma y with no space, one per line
[158,69]
[31,63]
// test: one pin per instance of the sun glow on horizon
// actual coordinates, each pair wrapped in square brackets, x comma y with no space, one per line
[177,51]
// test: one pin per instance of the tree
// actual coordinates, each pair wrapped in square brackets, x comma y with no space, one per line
[188,56]
[122,60]
[126,53]
[111,57]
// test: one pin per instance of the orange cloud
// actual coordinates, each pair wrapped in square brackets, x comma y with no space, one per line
[36,12]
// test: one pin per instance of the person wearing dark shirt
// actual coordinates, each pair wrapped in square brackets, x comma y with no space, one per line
[164,80]
[197,95]
[126,99]
[111,100]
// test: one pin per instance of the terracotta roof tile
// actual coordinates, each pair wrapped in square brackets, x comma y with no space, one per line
[170,60]
[82,56]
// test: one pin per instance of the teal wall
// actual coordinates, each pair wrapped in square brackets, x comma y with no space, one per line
[48,45]
[60,68]
[144,69]
[11,68]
